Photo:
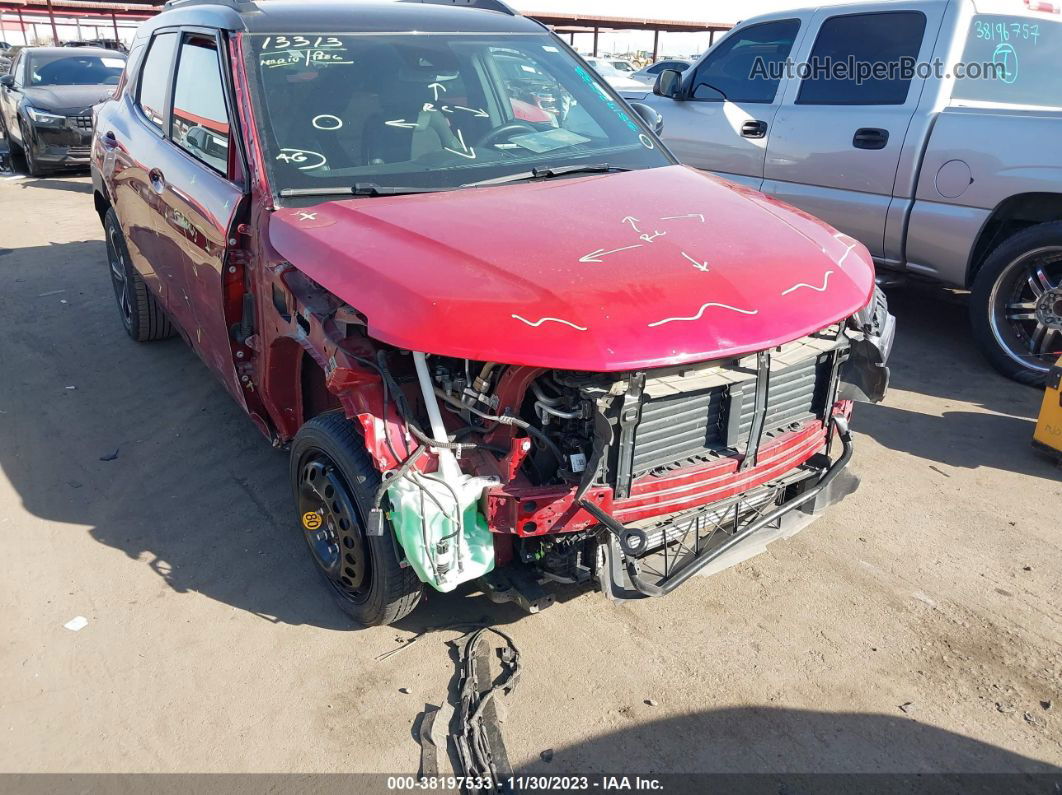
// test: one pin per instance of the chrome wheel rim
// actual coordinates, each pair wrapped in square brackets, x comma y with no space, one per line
[1025,309]
[119,276]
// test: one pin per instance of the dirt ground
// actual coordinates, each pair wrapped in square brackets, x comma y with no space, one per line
[915,628]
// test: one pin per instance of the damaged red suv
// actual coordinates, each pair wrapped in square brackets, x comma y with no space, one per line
[504,335]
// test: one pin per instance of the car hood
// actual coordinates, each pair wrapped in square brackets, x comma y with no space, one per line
[67,100]
[604,273]
[623,83]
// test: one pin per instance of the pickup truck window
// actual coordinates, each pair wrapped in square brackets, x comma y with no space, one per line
[1025,51]
[155,77]
[200,122]
[863,41]
[744,67]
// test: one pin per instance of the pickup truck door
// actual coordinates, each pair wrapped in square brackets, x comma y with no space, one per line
[836,143]
[722,118]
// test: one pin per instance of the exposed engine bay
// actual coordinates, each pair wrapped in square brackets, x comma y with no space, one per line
[630,480]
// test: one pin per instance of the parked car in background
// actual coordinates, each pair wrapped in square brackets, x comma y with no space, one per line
[952,180]
[615,78]
[499,350]
[623,66]
[46,103]
[7,56]
[648,74]
[106,44]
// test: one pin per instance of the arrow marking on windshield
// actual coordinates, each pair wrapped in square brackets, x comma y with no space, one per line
[653,236]
[436,87]
[400,123]
[477,112]
[542,320]
[467,151]
[701,266]
[825,281]
[682,217]
[595,256]
[700,312]
[633,222]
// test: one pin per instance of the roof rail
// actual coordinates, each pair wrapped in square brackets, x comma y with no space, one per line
[235,5]
[486,5]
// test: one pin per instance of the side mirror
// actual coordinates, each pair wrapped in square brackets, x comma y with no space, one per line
[7,81]
[649,116]
[668,83]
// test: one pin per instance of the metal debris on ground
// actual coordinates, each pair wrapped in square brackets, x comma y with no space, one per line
[110,456]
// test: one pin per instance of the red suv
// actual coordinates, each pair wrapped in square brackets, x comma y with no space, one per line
[504,335]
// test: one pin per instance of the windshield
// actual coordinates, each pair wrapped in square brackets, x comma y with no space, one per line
[75,69]
[433,111]
[1023,53]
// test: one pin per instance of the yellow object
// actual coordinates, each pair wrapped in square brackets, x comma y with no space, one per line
[1048,435]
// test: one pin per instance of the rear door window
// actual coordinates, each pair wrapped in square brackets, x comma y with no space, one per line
[155,78]
[200,121]
[1020,58]
[858,59]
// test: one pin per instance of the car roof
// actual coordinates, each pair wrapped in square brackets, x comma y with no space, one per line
[344,16]
[74,51]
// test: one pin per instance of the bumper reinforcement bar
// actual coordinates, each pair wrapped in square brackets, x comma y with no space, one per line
[633,541]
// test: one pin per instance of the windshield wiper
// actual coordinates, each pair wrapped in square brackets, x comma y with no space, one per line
[359,189]
[547,173]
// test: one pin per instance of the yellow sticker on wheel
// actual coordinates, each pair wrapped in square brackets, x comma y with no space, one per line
[311,520]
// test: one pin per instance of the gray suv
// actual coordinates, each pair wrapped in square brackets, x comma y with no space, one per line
[955,180]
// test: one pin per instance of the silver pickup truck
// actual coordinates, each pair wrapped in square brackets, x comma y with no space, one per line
[937,142]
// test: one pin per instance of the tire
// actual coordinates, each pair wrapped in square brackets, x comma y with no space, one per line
[141,313]
[33,168]
[12,147]
[1016,304]
[333,478]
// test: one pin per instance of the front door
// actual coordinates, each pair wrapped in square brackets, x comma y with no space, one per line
[836,142]
[199,199]
[729,100]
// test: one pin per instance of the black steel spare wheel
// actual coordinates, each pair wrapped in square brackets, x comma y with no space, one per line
[332,527]
[334,483]
[1016,305]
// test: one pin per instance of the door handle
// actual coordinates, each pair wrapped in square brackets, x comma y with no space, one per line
[870,138]
[158,182]
[754,129]
[108,140]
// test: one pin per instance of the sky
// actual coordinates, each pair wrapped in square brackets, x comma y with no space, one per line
[729,11]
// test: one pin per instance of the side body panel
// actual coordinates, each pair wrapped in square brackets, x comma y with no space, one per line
[812,158]
[707,134]
[977,158]
[176,214]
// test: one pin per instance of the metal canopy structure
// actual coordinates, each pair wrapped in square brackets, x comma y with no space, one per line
[572,23]
[561,21]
